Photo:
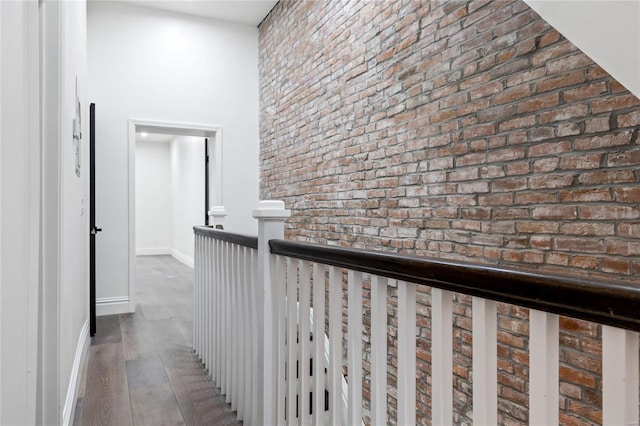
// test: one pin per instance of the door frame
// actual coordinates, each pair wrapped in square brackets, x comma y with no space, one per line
[211,131]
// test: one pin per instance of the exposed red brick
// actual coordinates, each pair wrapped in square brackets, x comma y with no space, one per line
[595,194]
[538,103]
[578,377]
[626,229]
[598,124]
[550,181]
[535,197]
[627,194]
[606,176]
[546,149]
[584,262]
[588,228]
[616,103]
[579,245]
[626,158]
[584,92]
[470,131]
[559,82]
[557,258]
[586,161]
[563,212]
[549,38]
[608,212]
[618,266]
[568,63]
[599,142]
[567,113]
[538,227]
[512,94]
[631,119]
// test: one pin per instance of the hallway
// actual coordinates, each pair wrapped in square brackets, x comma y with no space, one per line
[140,367]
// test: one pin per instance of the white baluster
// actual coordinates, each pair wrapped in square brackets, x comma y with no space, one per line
[212,315]
[223,319]
[292,337]
[196,288]
[378,350]
[237,330]
[231,333]
[202,309]
[255,371]
[442,356]
[247,332]
[485,362]
[203,302]
[207,303]
[335,345]
[543,368]
[271,215]
[226,326]
[206,316]
[319,377]
[406,353]
[218,313]
[304,346]
[200,304]
[619,376]
[354,350]
[281,291]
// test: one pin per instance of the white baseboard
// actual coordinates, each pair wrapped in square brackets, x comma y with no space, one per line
[181,257]
[72,390]
[153,251]
[113,306]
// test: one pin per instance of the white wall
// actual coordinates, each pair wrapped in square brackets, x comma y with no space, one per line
[74,254]
[155,65]
[607,31]
[19,212]
[65,211]
[187,189]
[43,225]
[153,198]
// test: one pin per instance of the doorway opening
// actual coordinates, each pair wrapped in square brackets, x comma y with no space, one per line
[167,189]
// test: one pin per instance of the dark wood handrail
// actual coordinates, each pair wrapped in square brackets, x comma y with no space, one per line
[610,303]
[250,241]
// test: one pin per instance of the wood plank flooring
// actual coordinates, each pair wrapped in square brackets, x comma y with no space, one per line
[140,369]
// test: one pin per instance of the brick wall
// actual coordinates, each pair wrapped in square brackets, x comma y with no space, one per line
[463,130]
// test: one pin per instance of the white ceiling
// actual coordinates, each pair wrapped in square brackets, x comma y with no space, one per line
[248,12]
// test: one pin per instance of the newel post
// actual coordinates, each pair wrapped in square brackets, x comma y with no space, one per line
[271,215]
[216,216]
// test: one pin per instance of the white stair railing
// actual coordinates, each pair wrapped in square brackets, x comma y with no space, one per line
[225,328]
[270,318]
[546,297]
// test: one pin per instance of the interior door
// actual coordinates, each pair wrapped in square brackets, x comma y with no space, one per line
[93,230]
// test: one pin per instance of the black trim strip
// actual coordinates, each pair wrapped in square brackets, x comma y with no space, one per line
[250,241]
[610,303]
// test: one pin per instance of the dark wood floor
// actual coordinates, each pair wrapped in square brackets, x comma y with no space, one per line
[140,369]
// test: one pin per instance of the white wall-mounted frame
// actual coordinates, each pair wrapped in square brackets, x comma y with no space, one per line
[211,131]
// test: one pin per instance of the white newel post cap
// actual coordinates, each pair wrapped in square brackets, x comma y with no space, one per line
[217,215]
[271,209]
[217,211]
